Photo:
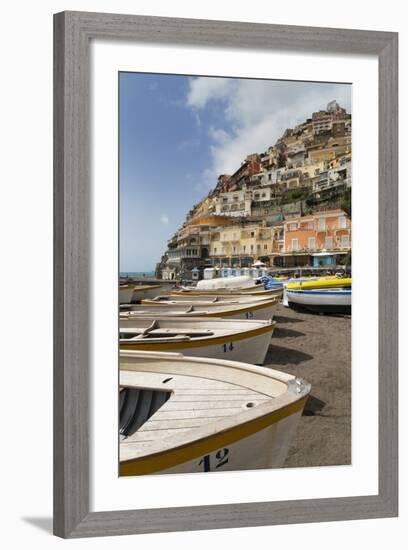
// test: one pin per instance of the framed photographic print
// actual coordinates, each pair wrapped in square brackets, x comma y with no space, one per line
[218,186]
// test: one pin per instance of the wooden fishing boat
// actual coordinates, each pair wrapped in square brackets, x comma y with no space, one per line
[319,283]
[125,293]
[141,292]
[220,299]
[335,300]
[182,414]
[257,290]
[237,339]
[259,310]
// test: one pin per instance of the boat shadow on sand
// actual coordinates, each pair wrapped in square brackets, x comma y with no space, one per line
[281,332]
[283,319]
[278,355]
[313,406]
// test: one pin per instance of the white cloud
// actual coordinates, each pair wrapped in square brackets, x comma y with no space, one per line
[204,89]
[164,219]
[257,112]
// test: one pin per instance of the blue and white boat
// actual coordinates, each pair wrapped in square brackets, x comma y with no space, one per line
[334,300]
[270,283]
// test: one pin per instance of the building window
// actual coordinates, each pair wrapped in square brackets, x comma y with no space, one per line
[292,227]
[342,222]
[258,247]
[263,195]
[328,243]
[295,245]
[321,224]
[252,233]
[269,177]
[234,249]
[311,243]
[215,251]
[252,247]
[345,241]
[234,236]
[244,249]
[265,247]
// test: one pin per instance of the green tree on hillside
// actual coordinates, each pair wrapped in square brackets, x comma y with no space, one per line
[346,202]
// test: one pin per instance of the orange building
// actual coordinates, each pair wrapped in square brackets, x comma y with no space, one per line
[320,239]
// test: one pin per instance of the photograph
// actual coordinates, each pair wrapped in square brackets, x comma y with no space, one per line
[235,273]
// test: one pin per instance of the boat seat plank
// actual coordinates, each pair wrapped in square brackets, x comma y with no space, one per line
[152,435]
[183,382]
[177,331]
[206,413]
[163,425]
[212,398]
[230,390]
[141,338]
[211,404]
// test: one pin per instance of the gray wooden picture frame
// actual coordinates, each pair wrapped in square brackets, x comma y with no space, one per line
[72,34]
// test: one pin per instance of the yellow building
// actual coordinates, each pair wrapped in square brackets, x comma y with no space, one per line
[240,244]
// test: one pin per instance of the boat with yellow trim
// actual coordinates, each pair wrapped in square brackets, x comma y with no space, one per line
[319,283]
[130,292]
[141,292]
[257,291]
[183,414]
[217,299]
[233,339]
[259,310]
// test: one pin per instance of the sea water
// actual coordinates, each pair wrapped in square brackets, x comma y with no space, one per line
[149,274]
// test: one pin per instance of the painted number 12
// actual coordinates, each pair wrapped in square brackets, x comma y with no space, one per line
[221,457]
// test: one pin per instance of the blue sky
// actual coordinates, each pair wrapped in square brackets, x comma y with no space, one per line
[178,133]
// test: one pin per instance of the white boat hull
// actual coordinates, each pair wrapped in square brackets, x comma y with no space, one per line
[125,295]
[251,350]
[320,300]
[241,282]
[146,293]
[264,314]
[267,448]
[257,291]
[260,310]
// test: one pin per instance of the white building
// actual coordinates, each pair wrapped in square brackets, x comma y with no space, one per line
[233,203]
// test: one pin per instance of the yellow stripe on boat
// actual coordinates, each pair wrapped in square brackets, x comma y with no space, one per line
[320,283]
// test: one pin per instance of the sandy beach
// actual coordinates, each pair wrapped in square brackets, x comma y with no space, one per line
[318,349]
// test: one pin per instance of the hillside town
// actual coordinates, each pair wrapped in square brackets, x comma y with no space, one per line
[288,207]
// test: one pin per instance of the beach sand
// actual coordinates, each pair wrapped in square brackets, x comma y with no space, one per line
[318,349]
